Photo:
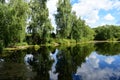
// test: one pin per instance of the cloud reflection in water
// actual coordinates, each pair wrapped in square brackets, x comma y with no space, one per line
[93,68]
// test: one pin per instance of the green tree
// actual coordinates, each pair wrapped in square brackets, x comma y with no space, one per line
[107,32]
[13,21]
[63,18]
[20,10]
[40,26]
[88,33]
[80,31]
[3,11]
[76,30]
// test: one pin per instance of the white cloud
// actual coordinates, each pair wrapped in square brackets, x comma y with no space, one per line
[54,76]
[51,4]
[88,71]
[109,60]
[52,7]
[89,9]
[117,4]
[109,17]
[92,18]
[93,60]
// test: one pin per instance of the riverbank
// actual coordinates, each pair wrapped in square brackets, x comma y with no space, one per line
[64,42]
[21,47]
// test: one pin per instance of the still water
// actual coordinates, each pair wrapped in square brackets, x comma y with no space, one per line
[99,61]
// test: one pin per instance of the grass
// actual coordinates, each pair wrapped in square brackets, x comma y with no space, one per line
[52,42]
[63,41]
[18,48]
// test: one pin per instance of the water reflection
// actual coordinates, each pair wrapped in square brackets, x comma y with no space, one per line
[81,62]
[53,75]
[1,60]
[70,58]
[108,48]
[28,59]
[43,65]
[26,65]
[99,67]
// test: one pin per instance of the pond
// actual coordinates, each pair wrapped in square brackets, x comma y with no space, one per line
[99,61]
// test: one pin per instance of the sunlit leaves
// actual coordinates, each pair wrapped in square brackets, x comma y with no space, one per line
[13,21]
[40,24]
[63,18]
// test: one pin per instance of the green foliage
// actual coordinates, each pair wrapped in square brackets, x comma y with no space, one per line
[107,32]
[80,31]
[65,41]
[88,33]
[13,22]
[63,18]
[69,26]
[70,29]
[40,24]
[76,29]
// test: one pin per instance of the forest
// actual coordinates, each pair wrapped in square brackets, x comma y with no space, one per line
[26,22]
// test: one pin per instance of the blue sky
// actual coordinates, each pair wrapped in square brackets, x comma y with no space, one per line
[94,12]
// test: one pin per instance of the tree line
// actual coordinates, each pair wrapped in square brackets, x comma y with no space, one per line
[107,32]
[27,21]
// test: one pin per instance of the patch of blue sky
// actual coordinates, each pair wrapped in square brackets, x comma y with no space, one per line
[74,1]
[103,13]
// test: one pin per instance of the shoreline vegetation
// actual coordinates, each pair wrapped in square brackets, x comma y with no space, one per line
[24,47]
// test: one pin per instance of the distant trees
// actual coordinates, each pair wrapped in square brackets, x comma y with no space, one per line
[107,32]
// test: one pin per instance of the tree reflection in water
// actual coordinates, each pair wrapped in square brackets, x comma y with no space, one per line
[14,68]
[63,63]
[108,48]
[70,58]
[42,65]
